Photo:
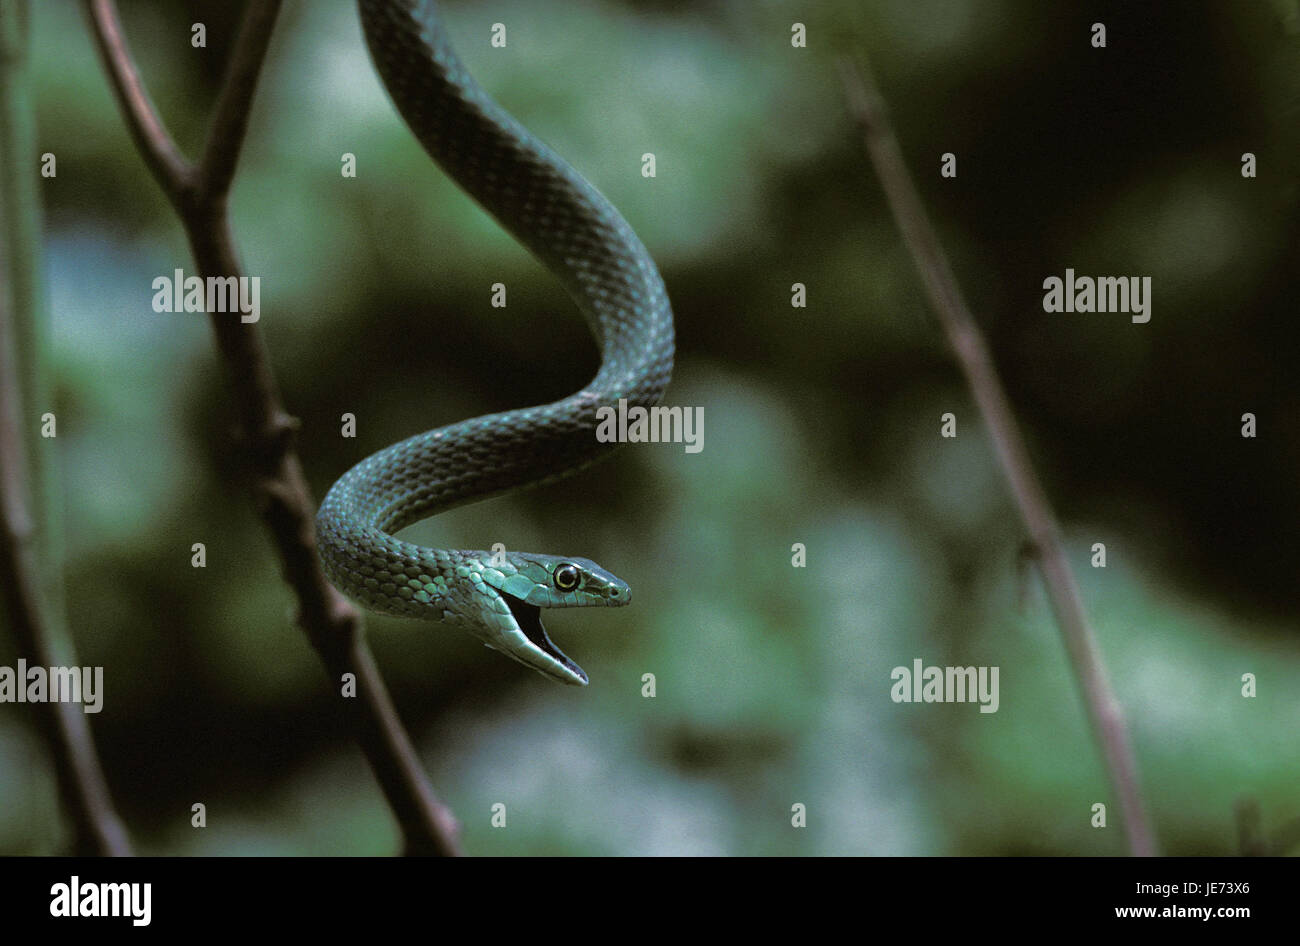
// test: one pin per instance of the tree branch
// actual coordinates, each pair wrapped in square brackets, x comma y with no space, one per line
[867,108]
[280,491]
[230,121]
[151,138]
[82,786]
[31,561]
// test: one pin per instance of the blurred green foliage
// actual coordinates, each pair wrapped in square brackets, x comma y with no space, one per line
[821,427]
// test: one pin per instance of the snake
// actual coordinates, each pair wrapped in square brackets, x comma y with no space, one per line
[576,234]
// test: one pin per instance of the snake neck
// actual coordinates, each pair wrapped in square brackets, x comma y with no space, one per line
[577,234]
[531,191]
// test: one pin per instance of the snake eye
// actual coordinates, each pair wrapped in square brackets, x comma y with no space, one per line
[566,577]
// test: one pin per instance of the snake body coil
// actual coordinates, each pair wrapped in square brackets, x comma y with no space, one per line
[582,239]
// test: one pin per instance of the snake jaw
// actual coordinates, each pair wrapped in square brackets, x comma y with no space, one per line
[551,661]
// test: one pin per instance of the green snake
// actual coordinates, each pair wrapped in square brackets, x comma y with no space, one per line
[579,236]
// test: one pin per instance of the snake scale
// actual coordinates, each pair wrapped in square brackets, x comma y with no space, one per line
[577,235]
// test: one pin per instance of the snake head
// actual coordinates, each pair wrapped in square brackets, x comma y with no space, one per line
[526,583]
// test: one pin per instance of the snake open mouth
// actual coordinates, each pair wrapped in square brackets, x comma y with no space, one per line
[529,619]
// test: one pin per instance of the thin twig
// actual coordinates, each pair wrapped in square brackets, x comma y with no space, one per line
[151,138]
[31,561]
[230,121]
[266,429]
[81,780]
[867,108]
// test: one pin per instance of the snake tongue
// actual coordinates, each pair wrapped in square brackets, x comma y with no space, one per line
[529,619]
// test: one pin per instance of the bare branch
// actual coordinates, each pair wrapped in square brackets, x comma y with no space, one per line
[280,491]
[81,781]
[867,108]
[146,127]
[31,586]
[226,137]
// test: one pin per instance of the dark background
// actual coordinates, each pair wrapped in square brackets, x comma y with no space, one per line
[821,427]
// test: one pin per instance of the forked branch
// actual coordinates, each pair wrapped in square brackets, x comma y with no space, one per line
[199,194]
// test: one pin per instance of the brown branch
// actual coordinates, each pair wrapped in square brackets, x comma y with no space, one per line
[81,780]
[31,581]
[151,138]
[280,491]
[230,121]
[63,724]
[867,108]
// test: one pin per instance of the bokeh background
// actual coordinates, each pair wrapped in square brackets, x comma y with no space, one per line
[821,427]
